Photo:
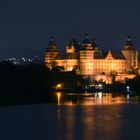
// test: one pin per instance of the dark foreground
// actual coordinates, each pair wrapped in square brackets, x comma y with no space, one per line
[32,84]
[117,121]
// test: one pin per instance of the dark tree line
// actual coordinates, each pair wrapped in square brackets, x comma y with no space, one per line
[31,83]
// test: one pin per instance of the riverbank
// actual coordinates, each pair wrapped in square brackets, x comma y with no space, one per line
[34,83]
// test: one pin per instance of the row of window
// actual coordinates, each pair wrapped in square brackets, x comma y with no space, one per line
[109,61]
[115,66]
[102,70]
[106,70]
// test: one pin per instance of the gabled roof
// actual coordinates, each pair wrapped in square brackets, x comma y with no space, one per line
[118,55]
[114,55]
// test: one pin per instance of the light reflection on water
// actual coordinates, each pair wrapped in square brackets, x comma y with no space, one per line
[102,116]
[97,123]
[82,117]
[94,99]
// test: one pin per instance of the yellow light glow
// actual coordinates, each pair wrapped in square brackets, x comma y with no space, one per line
[58,97]
[59,86]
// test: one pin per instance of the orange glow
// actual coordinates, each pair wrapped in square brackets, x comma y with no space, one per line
[59,86]
[58,97]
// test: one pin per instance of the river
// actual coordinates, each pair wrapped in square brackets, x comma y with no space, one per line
[83,118]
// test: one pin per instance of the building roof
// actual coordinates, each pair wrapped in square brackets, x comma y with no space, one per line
[52,41]
[129,44]
[99,55]
[51,45]
[118,55]
[115,55]
[74,43]
[67,56]
[86,39]
[94,43]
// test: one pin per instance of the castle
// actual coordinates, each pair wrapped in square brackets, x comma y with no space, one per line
[88,60]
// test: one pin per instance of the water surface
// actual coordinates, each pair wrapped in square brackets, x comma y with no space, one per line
[84,120]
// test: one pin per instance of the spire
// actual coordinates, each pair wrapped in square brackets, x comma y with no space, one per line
[87,39]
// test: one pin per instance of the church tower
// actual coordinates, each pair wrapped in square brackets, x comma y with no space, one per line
[131,54]
[86,57]
[51,53]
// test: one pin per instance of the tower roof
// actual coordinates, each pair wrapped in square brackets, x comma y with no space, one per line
[94,42]
[87,45]
[52,41]
[86,39]
[52,45]
[129,44]
[74,43]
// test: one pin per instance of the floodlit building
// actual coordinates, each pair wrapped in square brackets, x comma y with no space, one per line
[88,59]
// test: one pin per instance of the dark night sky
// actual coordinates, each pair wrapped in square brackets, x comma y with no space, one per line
[27,25]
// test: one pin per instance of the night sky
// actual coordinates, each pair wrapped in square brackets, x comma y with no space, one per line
[25,26]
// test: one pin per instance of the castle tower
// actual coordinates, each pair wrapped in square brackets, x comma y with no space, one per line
[86,57]
[72,46]
[131,54]
[95,47]
[51,53]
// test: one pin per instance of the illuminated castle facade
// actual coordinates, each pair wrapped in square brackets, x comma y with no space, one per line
[88,59]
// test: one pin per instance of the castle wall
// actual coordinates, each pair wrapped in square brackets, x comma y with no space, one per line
[68,64]
[89,60]
[107,66]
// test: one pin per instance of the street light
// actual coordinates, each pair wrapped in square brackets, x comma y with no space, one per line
[128,88]
[59,86]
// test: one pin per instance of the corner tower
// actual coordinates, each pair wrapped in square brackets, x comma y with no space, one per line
[130,54]
[86,57]
[51,53]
